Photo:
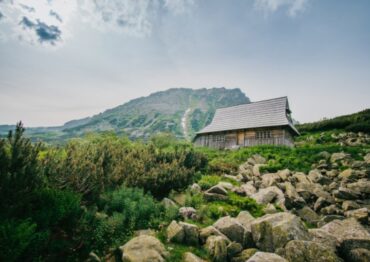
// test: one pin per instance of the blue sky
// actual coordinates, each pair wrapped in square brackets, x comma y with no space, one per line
[67,59]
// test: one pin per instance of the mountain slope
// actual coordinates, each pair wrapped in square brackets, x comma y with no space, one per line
[181,111]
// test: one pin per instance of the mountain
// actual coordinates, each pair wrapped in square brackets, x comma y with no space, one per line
[181,111]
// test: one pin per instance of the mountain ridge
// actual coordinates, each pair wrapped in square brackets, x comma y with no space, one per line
[145,116]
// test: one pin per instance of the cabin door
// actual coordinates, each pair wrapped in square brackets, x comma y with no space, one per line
[241,138]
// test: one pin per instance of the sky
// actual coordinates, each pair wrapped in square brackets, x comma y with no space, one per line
[68,59]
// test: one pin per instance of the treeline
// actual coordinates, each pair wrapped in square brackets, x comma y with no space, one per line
[60,203]
[358,122]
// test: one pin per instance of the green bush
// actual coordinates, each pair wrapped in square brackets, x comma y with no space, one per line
[121,212]
[15,238]
[209,181]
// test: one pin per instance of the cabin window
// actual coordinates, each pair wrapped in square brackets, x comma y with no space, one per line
[263,134]
[218,138]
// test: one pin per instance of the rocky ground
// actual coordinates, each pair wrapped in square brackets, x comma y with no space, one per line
[319,216]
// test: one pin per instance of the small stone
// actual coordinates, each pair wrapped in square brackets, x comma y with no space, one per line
[175,232]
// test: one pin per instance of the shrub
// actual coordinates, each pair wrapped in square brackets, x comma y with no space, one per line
[15,237]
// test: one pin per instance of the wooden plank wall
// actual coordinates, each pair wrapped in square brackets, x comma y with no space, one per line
[229,139]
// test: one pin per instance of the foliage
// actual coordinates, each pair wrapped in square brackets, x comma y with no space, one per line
[119,214]
[358,122]
[15,237]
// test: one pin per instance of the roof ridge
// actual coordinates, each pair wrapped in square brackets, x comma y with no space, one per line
[276,98]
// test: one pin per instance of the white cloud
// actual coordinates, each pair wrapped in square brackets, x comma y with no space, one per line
[47,22]
[293,6]
[179,6]
[32,21]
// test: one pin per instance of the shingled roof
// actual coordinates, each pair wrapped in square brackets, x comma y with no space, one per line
[266,113]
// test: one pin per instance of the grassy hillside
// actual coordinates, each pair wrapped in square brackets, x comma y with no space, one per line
[146,116]
[358,122]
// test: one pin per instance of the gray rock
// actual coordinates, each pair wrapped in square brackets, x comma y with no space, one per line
[361,186]
[302,251]
[195,189]
[168,203]
[349,205]
[308,215]
[324,238]
[274,231]
[249,189]
[214,197]
[292,198]
[206,232]
[245,219]
[269,195]
[266,257]
[359,255]
[244,255]
[175,232]
[271,179]
[217,248]
[349,234]
[188,212]
[361,214]
[233,249]
[191,233]
[217,189]
[143,249]
[233,229]
[190,257]
[338,157]
[346,193]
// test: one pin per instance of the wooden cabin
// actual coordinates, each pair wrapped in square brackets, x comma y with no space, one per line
[266,122]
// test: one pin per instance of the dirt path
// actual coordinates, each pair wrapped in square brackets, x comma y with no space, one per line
[184,121]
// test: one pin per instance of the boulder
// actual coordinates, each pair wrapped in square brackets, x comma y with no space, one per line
[191,233]
[190,257]
[244,255]
[225,185]
[264,257]
[270,179]
[206,232]
[292,198]
[326,219]
[349,205]
[301,178]
[302,251]
[168,203]
[361,186]
[359,255]
[308,215]
[217,248]
[346,193]
[143,249]
[217,189]
[214,197]
[268,195]
[338,157]
[361,214]
[175,232]
[234,230]
[349,234]
[249,189]
[324,238]
[188,212]
[284,174]
[367,158]
[256,169]
[195,189]
[245,218]
[274,231]
[321,203]
[269,209]
[233,249]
